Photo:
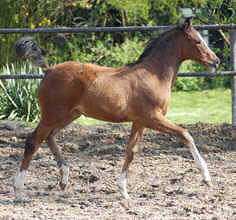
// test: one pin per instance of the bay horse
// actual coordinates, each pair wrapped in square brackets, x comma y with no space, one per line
[137,93]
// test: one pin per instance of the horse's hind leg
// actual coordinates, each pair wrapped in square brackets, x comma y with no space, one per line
[61,163]
[160,123]
[64,168]
[135,137]
[32,144]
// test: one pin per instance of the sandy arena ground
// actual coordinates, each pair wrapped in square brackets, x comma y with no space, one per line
[163,180]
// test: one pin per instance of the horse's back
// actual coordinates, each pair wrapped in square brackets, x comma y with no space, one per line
[84,72]
[65,84]
[72,74]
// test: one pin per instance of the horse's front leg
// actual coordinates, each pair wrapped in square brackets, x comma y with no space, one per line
[160,123]
[135,137]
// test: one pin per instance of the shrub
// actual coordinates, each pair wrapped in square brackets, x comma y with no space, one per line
[19,97]
[103,52]
[199,83]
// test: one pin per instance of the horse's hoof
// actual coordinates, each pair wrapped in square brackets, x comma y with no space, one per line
[64,171]
[125,194]
[17,192]
[123,191]
[208,183]
[17,201]
[62,186]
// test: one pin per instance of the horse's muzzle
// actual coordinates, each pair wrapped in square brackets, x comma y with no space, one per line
[214,65]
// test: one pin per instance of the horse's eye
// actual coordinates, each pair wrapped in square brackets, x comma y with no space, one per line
[197,42]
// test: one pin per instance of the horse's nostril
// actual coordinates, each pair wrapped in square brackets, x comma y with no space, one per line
[218,61]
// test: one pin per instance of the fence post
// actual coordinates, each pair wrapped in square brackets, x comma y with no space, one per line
[233,67]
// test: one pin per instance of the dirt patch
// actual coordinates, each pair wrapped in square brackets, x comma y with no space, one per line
[163,181]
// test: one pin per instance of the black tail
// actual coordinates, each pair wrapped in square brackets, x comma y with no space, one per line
[27,48]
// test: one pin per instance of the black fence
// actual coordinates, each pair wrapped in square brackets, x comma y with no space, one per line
[110,29]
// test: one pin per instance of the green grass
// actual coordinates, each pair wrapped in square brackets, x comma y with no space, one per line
[208,106]
[86,121]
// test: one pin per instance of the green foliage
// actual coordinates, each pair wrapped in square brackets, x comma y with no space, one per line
[188,83]
[74,13]
[215,11]
[103,52]
[132,11]
[19,97]
[198,83]
[167,11]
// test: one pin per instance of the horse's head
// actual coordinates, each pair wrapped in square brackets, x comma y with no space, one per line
[195,48]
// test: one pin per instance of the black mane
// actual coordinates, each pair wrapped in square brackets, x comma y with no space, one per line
[153,43]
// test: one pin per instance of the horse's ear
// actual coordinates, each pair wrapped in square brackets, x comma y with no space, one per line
[186,24]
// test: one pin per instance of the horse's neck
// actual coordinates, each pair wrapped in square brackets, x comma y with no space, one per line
[165,62]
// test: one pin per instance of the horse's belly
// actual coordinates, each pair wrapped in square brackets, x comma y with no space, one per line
[103,112]
[108,103]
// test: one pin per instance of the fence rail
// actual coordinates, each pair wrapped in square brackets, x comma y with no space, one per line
[110,29]
[186,74]
[230,27]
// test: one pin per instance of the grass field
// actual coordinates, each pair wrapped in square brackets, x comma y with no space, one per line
[208,106]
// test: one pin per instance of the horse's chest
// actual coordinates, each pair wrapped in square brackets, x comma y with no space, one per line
[154,93]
